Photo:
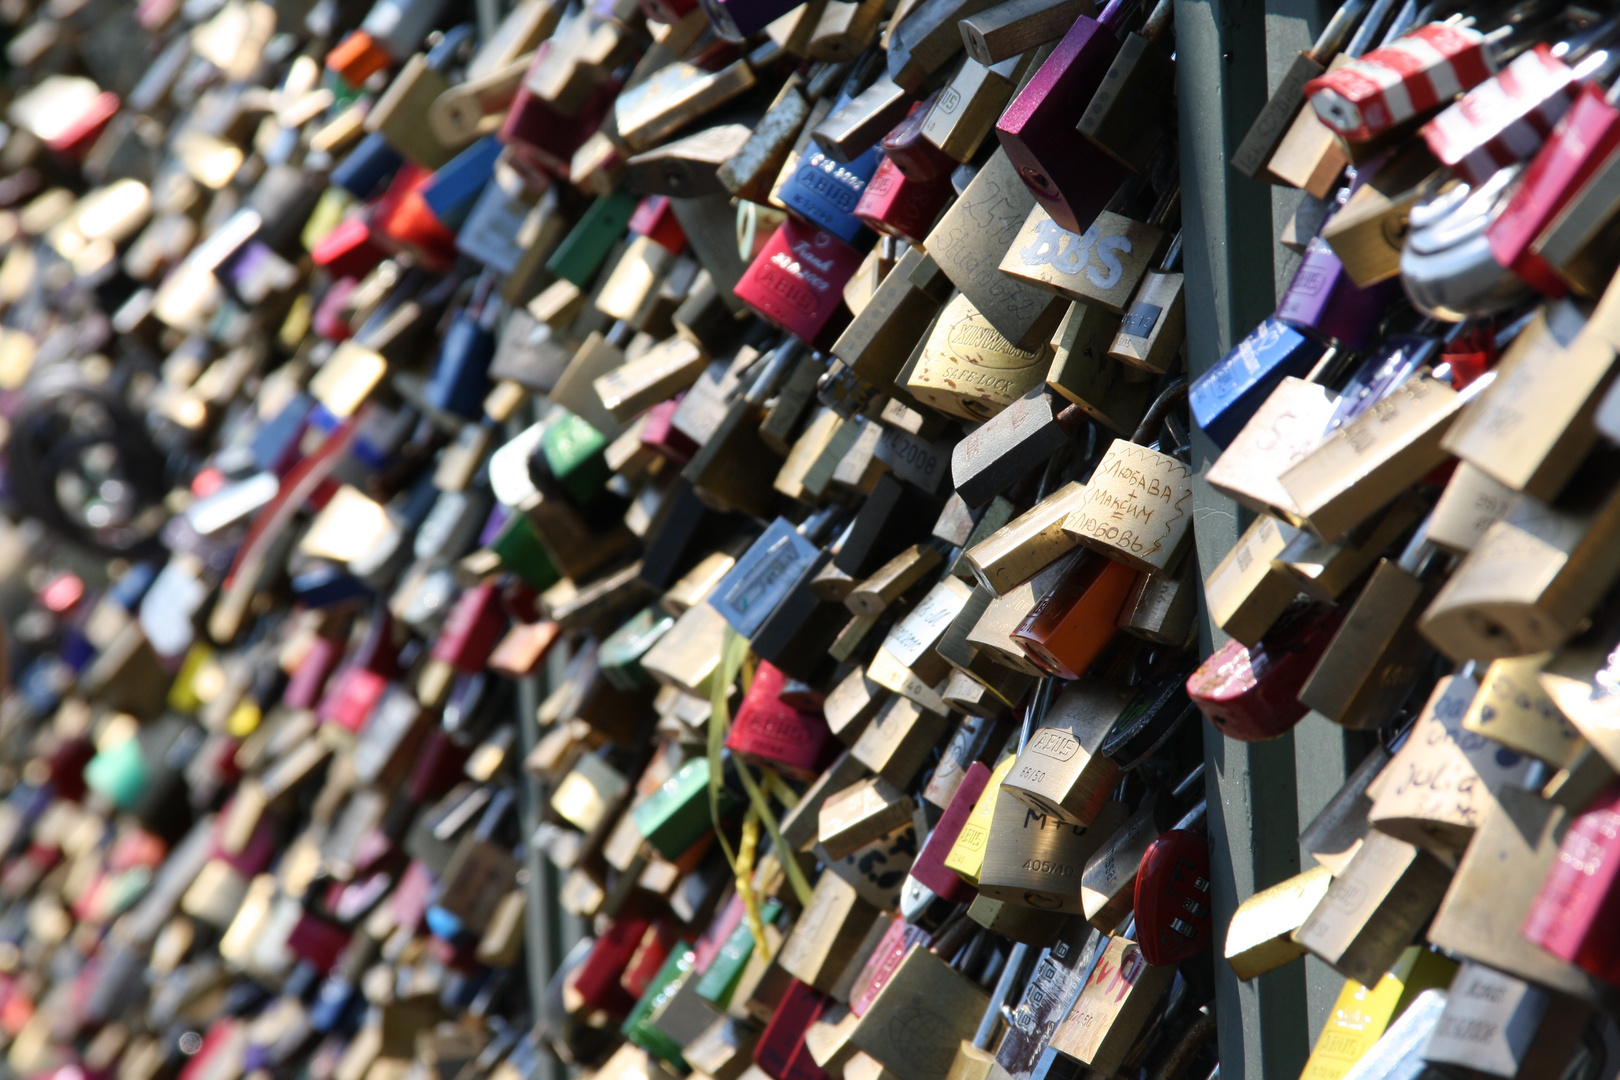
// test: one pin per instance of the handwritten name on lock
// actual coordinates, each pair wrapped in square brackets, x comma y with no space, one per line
[1116,979]
[1446,772]
[1136,506]
[1101,266]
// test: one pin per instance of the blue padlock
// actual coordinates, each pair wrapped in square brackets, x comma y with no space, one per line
[460,379]
[824,192]
[368,168]
[452,191]
[765,574]
[1223,398]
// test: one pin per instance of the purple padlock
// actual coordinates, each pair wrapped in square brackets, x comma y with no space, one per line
[1323,301]
[1066,173]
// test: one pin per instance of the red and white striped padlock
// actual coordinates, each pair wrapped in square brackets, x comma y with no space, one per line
[1401,80]
[1506,118]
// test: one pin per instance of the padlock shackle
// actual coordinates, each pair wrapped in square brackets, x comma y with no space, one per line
[1337,31]
[1011,975]
[1368,30]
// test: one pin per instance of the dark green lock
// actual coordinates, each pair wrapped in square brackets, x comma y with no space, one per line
[586,247]
[521,552]
[621,651]
[676,816]
[576,456]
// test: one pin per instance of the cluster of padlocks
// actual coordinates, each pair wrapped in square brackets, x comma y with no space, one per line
[657,538]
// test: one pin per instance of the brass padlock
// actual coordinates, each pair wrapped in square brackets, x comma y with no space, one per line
[1465,775]
[1137,507]
[1562,560]
[1062,772]
[1370,912]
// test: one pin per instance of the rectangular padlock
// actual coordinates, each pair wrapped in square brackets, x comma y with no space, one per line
[969,242]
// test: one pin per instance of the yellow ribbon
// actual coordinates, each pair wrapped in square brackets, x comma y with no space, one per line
[734,662]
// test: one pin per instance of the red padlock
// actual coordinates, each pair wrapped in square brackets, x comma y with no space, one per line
[1252,694]
[599,978]
[309,677]
[901,206]
[1582,141]
[1504,119]
[355,690]
[781,1051]
[1576,915]
[930,868]
[797,280]
[1404,79]
[771,732]
[1172,898]
[655,219]
[880,967]
[471,629]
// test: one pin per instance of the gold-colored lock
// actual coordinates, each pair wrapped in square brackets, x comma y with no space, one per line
[1533,427]
[894,577]
[1113,1007]
[1464,774]
[845,28]
[1162,607]
[968,369]
[1370,912]
[688,166]
[970,104]
[1037,859]
[1324,571]
[1062,771]
[1533,577]
[1369,667]
[1499,1025]
[1100,269]
[1247,592]
[1309,155]
[751,169]
[1513,709]
[1496,883]
[832,925]
[1282,430]
[925,994]
[398,113]
[863,812]
[1155,325]
[1260,936]
[1368,231]
[1083,373]
[1137,509]
[992,636]
[654,376]
[1027,544]
[968,242]
[1108,883]
[477,106]
[1472,502]
[812,441]
[851,705]
[897,741]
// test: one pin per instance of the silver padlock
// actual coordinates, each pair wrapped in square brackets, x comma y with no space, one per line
[1446,266]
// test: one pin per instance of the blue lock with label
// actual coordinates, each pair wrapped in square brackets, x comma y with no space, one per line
[1223,398]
